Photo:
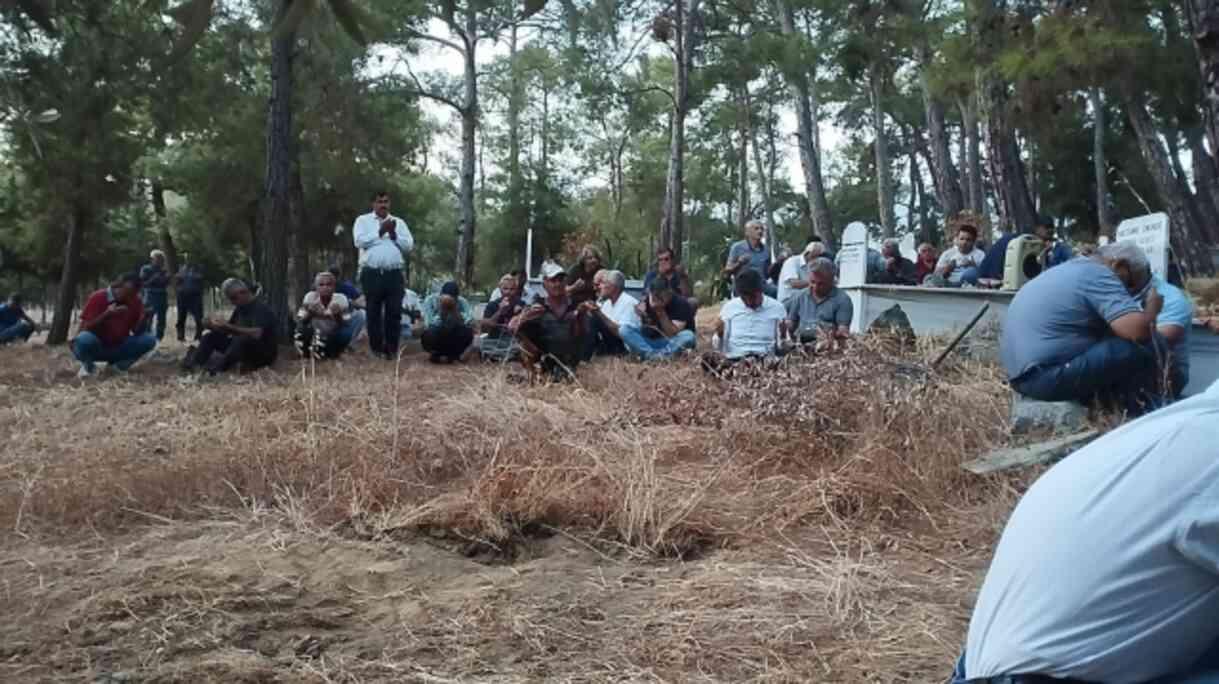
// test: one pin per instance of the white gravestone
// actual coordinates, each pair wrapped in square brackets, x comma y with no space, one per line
[853,257]
[1151,233]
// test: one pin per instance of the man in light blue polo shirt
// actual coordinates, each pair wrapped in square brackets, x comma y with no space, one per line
[750,254]
[1077,332]
[1173,324]
[1108,569]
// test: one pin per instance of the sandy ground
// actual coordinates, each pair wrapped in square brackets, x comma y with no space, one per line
[110,571]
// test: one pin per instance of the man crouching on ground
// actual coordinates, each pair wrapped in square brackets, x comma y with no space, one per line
[247,341]
[551,330]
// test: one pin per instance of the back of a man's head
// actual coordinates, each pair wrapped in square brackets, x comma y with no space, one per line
[1129,257]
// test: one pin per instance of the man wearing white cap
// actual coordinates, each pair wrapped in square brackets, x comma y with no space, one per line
[794,276]
[551,329]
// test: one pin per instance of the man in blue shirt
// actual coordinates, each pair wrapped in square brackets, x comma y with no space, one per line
[1174,322]
[750,255]
[1078,333]
[156,290]
[15,324]
[189,286]
[1056,251]
[354,325]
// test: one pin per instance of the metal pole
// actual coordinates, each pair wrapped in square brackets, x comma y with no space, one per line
[529,255]
[961,335]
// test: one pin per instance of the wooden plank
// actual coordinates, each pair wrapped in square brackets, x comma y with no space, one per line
[1030,454]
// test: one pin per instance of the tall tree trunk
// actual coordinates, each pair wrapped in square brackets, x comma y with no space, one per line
[1104,211]
[943,171]
[744,203]
[884,178]
[975,196]
[802,84]
[1186,233]
[763,181]
[672,224]
[917,192]
[1204,25]
[164,237]
[65,302]
[276,227]
[464,268]
[1014,202]
[300,275]
[1206,179]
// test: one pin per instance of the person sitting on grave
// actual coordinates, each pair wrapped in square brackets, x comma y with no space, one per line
[1056,251]
[666,325]
[674,275]
[499,343]
[1078,333]
[109,326]
[958,265]
[928,257]
[1107,570]
[1173,324]
[607,319]
[822,313]
[794,276]
[323,322]
[580,285]
[247,341]
[551,330]
[749,325]
[15,323]
[448,324]
[898,270]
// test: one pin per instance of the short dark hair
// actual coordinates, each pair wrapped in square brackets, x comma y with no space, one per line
[130,278]
[335,271]
[815,238]
[1044,220]
[665,250]
[379,194]
[748,282]
[968,228]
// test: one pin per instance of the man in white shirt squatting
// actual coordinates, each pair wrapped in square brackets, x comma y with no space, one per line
[615,311]
[749,326]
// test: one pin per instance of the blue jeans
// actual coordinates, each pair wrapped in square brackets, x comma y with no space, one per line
[1112,370]
[651,349]
[21,330]
[156,301]
[88,349]
[354,325]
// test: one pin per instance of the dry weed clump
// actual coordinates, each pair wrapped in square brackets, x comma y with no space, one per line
[658,460]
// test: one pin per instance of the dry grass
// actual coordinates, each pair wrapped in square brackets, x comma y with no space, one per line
[822,526]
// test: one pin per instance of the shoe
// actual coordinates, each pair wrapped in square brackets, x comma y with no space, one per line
[86,371]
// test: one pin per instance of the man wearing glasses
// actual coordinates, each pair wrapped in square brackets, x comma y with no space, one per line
[248,340]
[669,272]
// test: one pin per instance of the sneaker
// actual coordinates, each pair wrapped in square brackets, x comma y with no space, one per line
[86,372]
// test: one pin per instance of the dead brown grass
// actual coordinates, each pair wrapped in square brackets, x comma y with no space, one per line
[831,532]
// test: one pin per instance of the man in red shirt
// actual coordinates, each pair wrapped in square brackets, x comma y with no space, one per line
[106,326]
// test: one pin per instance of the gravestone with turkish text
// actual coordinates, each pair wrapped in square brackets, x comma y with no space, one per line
[853,257]
[1151,233]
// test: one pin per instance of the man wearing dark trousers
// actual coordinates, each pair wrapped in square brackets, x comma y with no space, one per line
[247,341]
[383,239]
[189,282]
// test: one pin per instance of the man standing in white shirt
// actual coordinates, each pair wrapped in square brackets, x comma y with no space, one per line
[615,312]
[383,239]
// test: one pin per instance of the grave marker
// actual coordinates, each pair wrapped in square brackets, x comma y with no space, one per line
[1151,233]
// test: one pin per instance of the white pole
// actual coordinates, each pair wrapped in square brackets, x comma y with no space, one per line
[529,255]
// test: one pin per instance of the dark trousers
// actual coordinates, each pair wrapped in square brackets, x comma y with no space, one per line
[157,304]
[600,341]
[447,341]
[327,346]
[219,352]
[190,305]
[1111,371]
[383,292]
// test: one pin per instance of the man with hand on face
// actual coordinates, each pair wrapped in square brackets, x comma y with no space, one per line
[615,312]
[959,264]
[666,325]
[248,340]
[1078,333]
[499,345]
[551,331]
[108,326]
[898,270]
[383,238]
[672,274]
[15,323]
[447,325]
[821,314]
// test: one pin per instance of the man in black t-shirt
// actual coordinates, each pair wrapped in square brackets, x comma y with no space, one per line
[499,343]
[248,340]
[666,325]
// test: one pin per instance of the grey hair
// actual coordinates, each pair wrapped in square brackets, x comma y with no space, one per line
[506,276]
[822,265]
[323,275]
[156,253]
[754,222]
[616,277]
[231,284]
[1132,254]
[892,242]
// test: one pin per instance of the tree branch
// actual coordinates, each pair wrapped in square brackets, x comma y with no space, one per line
[435,39]
[424,92]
